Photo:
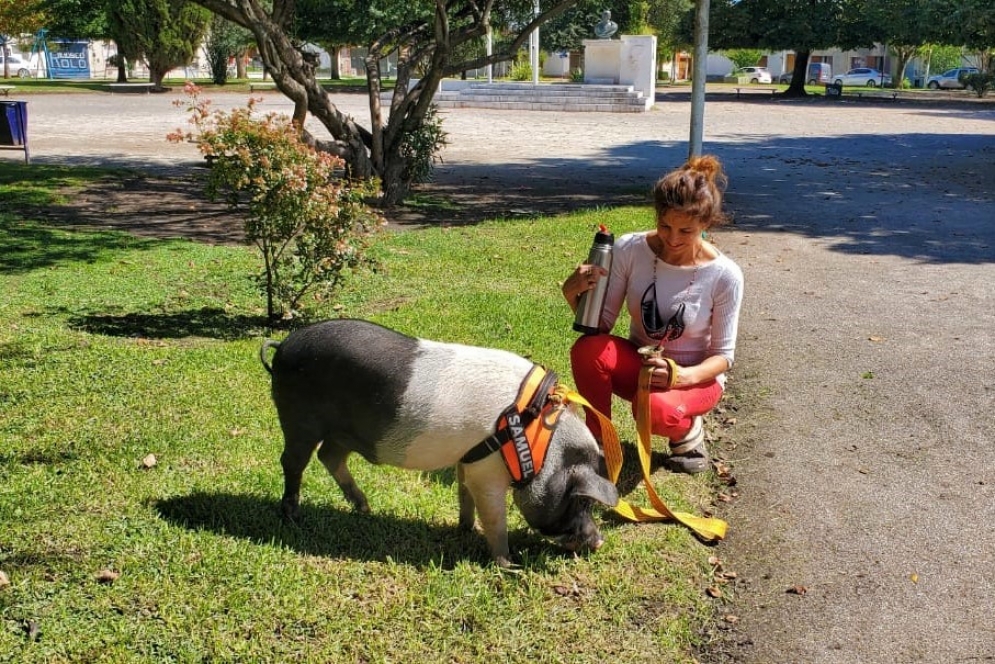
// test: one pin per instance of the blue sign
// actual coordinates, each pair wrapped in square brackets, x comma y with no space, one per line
[69,60]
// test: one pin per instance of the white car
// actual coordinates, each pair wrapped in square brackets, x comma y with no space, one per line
[863,76]
[950,79]
[18,67]
[755,74]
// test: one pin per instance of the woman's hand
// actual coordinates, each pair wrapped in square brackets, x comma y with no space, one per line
[660,377]
[584,278]
[685,376]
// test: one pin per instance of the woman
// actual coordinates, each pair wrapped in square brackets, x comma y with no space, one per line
[683,296]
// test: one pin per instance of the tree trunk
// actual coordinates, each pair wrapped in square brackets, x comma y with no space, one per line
[122,70]
[798,75]
[241,71]
[333,53]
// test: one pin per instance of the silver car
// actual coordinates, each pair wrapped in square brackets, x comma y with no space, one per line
[18,67]
[755,74]
[863,76]
[950,79]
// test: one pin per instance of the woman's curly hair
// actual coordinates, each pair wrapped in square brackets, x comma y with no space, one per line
[696,188]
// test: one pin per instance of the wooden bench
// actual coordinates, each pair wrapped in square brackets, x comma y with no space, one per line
[751,89]
[875,94]
[5,90]
[253,87]
[131,87]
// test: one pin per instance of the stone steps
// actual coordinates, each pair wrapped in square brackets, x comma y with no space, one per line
[564,97]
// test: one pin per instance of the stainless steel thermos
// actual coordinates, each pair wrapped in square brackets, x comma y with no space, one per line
[589,306]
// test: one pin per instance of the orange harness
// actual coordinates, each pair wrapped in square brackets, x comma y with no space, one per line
[524,429]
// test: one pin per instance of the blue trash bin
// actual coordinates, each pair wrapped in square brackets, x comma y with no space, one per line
[14,126]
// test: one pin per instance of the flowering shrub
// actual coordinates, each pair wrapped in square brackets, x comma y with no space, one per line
[309,224]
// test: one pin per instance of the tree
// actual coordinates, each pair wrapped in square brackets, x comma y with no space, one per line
[968,23]
[799,25]
[309,227]
[166,33]
[665,18]
[18,17]
[424,36]
[744,57]
[76,19]
[225,41]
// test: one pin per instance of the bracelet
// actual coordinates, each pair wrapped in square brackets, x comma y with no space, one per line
[672,371]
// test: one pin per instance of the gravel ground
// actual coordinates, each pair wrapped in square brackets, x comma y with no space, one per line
[865,379]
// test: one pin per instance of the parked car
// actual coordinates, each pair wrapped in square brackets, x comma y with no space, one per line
[819,73]
[863,76]
[755,74]
[950,79]
[17,64]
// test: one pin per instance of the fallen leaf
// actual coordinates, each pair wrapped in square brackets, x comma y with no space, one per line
[107,576]
[731,619]
[797,590]
[875,338]
[914,577]
[714,591]
[149,461]
[4,579]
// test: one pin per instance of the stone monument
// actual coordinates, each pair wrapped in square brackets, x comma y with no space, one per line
[606,27]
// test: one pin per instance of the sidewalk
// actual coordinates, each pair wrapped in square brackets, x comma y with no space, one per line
[866,364]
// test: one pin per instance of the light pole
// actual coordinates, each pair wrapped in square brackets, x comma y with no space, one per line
[534,47]
[698,76]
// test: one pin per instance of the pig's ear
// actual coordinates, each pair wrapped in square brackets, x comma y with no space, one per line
[594,486]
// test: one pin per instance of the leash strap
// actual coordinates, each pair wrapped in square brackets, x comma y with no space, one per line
[708,529]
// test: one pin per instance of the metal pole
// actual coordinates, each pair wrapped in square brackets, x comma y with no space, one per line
[534,43]
[698,78]
[490,51]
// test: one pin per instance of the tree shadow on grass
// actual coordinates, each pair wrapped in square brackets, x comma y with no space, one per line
[27,246]
[209,322]
[322,530]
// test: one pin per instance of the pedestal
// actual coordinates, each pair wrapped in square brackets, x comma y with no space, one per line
[630,60]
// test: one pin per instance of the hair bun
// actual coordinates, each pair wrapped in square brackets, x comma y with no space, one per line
[709,166]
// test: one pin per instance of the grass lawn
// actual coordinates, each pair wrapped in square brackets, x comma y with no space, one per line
[140,479]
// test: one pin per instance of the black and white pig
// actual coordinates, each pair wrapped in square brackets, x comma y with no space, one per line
[355,386]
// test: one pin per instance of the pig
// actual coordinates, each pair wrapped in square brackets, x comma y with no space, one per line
[347,385]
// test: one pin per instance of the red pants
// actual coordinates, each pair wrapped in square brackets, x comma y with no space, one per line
[604,364]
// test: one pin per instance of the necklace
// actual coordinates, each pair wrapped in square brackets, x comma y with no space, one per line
[652,319]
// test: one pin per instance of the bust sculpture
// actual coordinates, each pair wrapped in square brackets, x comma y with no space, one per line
[606,27]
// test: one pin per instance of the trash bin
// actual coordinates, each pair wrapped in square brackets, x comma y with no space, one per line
[14,126]
[834,90]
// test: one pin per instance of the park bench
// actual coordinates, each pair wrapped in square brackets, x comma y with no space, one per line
[874,94]
[130,87]
[752,89]
[253,87]
[5,90]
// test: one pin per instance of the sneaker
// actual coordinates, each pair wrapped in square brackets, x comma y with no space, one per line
[689,455]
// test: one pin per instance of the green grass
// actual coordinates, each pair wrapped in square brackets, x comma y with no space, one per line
[113,348]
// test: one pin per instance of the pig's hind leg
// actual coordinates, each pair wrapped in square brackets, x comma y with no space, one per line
[299,443]
[334,459]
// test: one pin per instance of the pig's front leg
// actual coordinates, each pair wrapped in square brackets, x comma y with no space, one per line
[466,509]
[487,482]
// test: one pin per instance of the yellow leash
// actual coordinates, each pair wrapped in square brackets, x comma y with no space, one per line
[708,529]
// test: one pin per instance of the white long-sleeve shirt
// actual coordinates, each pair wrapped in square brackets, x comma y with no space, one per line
[712,297]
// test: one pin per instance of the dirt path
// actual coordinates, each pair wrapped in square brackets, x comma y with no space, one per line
[866,365]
